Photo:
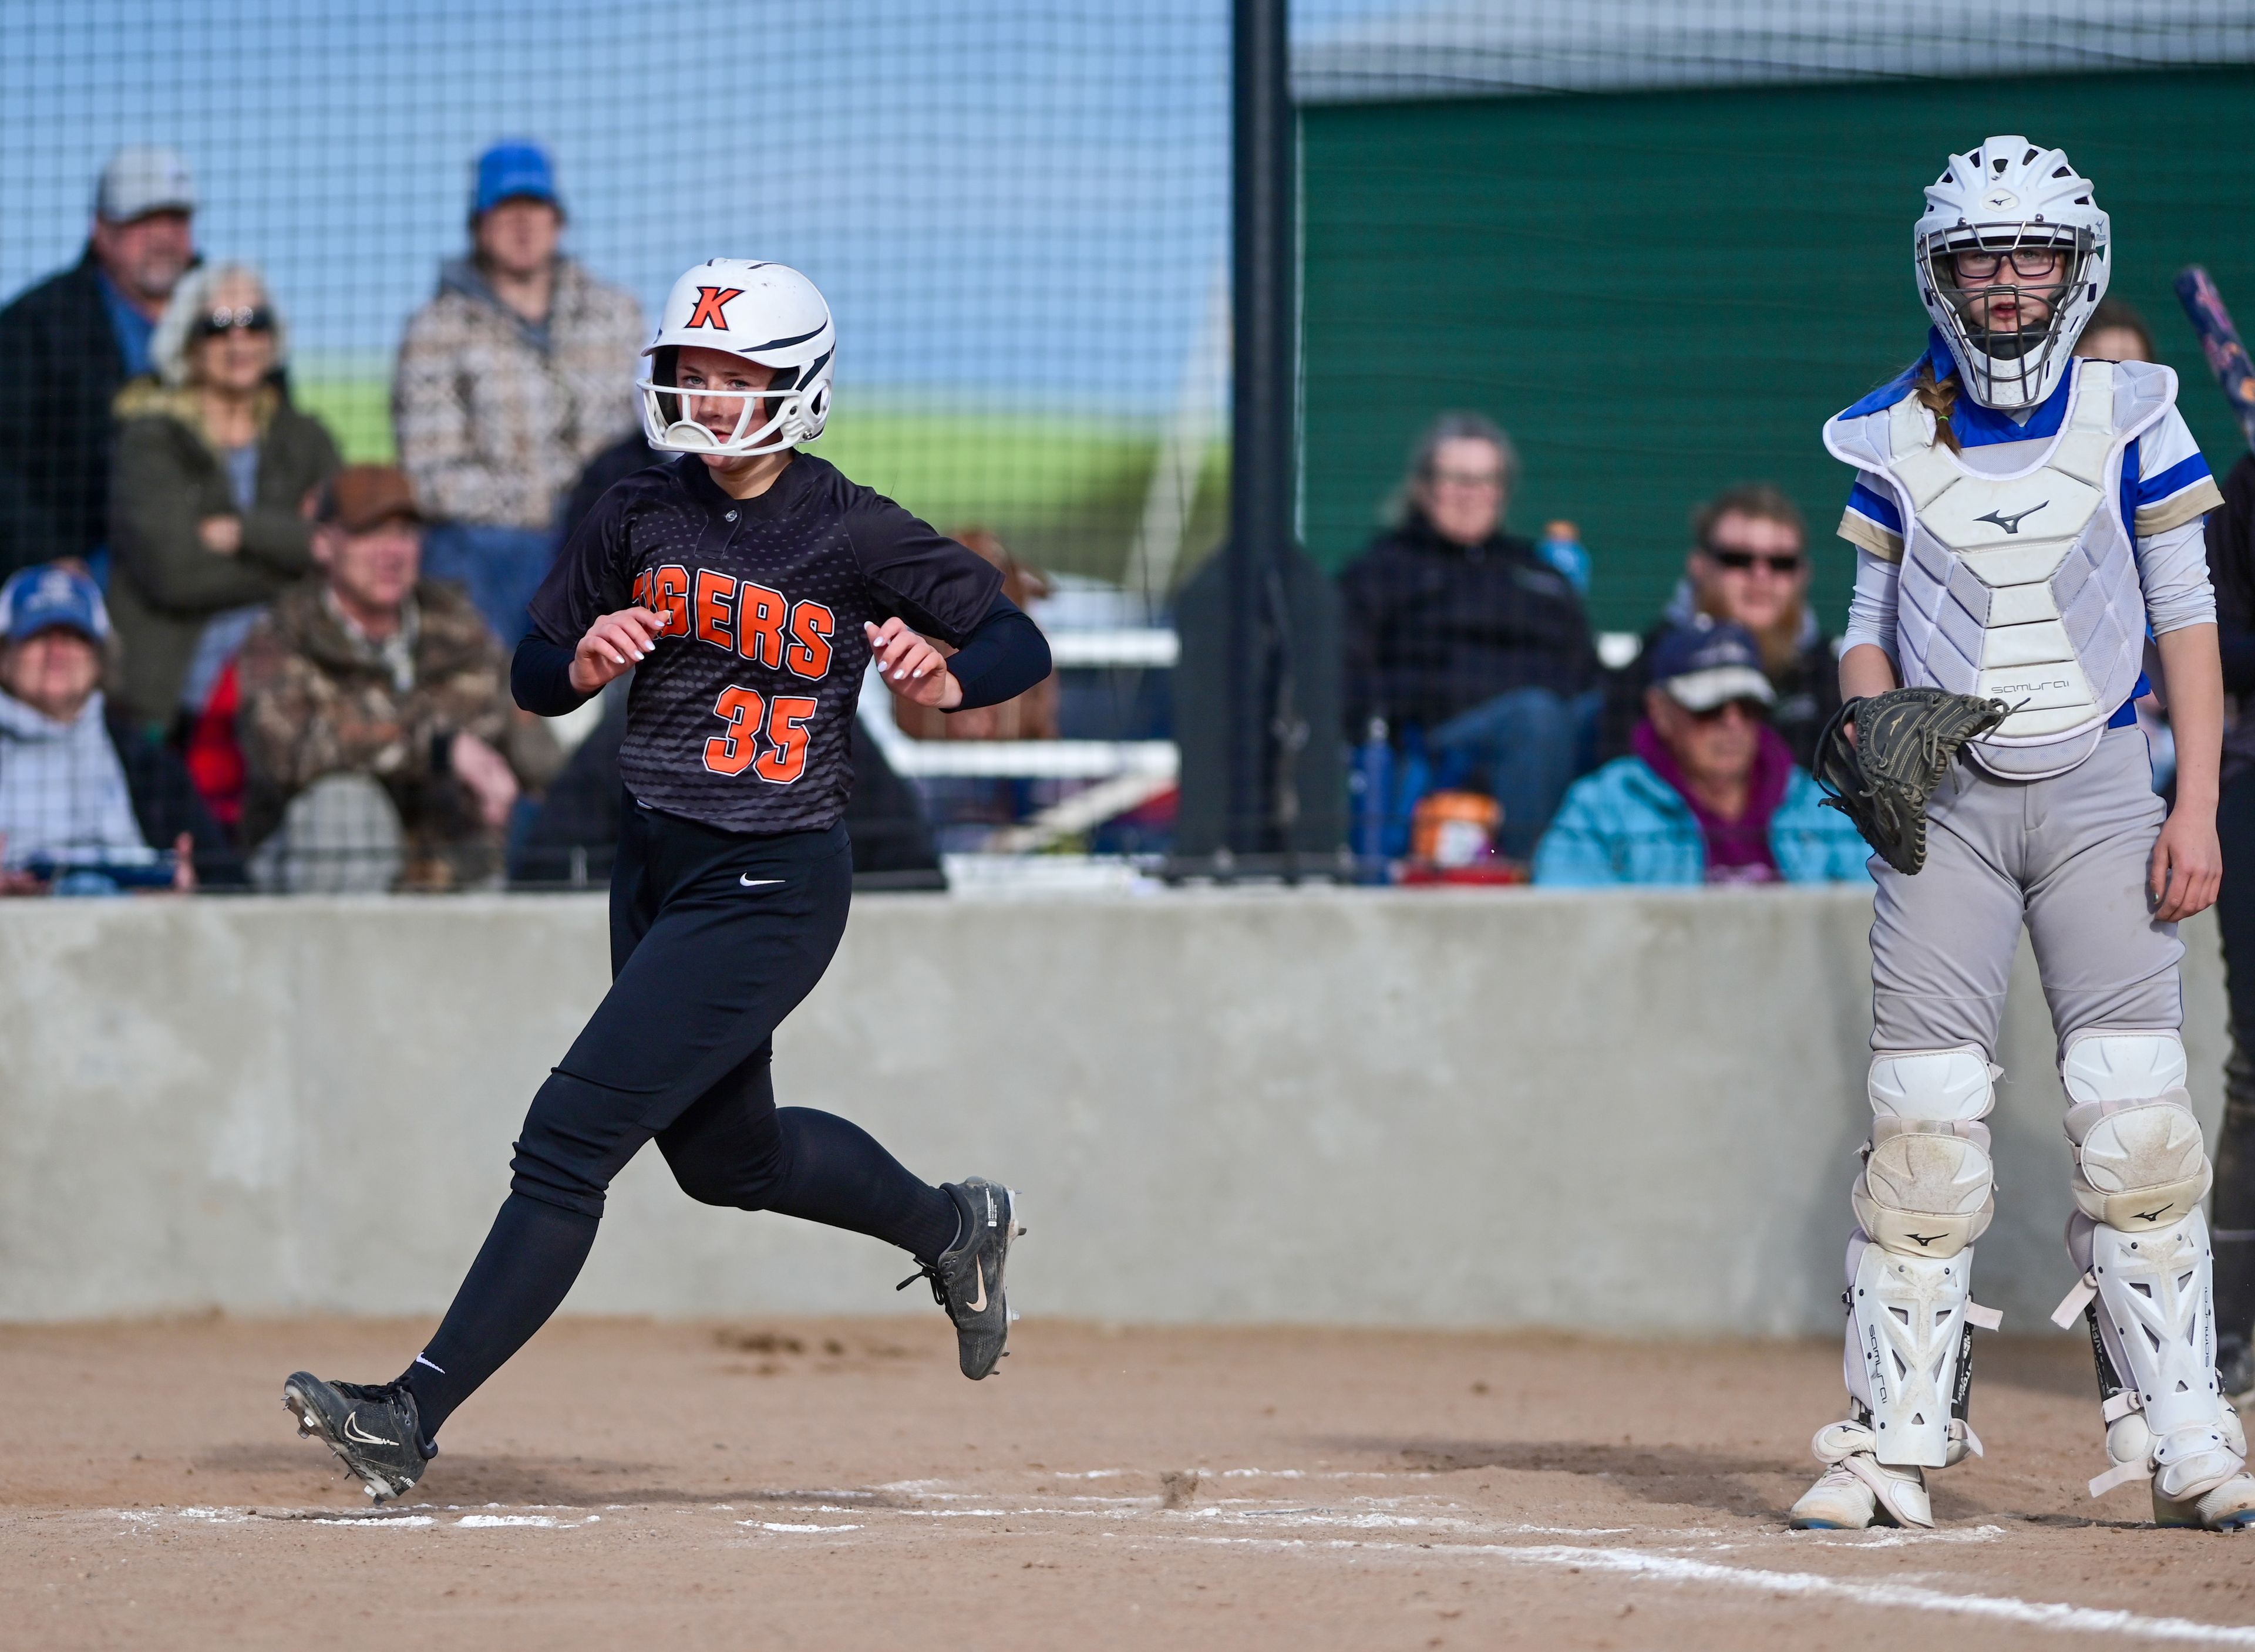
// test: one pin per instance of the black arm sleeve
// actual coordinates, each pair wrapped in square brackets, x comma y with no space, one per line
[540,678]
[1004,655]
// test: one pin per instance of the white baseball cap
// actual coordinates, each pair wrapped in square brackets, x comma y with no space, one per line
[143,179]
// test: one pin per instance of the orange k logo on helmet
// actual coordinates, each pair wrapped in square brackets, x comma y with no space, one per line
[709,312]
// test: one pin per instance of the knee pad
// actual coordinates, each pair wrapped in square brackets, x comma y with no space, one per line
[2140,1164]
[1926,1186]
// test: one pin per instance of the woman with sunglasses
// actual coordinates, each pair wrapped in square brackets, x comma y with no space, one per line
[2023,521]
[214,467]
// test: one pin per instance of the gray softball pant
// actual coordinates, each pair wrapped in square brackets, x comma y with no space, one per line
[2068,857]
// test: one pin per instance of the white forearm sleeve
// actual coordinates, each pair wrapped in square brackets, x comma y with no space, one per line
[2173,567]
[1872,606]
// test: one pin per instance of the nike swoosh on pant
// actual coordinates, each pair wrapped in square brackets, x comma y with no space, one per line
[756,883]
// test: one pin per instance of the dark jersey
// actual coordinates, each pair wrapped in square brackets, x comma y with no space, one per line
[740,717]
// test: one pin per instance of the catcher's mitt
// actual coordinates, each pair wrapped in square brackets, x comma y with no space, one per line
[1905,741]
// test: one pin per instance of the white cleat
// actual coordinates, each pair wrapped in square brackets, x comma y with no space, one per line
[2231,1507]
[1857,1490]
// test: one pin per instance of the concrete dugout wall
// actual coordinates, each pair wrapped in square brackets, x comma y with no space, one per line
[1630,1112]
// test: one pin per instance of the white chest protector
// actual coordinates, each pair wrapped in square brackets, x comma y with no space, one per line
[2021,587]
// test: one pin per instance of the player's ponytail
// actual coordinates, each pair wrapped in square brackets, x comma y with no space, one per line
[1939,397]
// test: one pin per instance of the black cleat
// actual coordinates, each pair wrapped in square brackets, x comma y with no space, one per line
[967,1278]
[373,1429]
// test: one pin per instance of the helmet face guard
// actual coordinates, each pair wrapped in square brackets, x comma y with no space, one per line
[796,413]
[2012,369]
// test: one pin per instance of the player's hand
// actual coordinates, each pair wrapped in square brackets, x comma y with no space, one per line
[911,666]
[2188,866]
[485,774]
[613,644]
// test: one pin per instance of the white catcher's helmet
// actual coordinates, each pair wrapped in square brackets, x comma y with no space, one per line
[2007,195]
[768,313]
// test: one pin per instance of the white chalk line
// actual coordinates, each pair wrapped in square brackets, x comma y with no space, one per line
[2043,1614]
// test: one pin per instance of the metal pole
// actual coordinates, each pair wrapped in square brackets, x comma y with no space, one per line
[1262,420]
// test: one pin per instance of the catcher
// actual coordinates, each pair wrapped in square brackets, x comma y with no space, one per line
[2023,522]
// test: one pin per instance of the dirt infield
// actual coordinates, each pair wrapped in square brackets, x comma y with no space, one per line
[835,1483]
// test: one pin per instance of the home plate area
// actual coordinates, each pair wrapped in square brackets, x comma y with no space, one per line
[834,1483]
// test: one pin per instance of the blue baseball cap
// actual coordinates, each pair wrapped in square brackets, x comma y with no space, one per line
[1706,664]
[514,169]
[37,598]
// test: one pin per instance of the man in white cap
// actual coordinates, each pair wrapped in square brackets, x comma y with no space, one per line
[67,344]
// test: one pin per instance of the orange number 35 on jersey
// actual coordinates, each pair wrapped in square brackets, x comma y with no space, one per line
[781,756]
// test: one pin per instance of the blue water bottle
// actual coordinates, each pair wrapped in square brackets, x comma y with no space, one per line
[1562,548]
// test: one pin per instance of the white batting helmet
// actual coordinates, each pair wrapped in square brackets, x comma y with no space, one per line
[764,312]
[2007,196]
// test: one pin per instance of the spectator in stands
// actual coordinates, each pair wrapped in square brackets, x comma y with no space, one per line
[1463,632]
[376,722]
[1030,716]
[84,798]
[1710,794]
[509,381]
[1749,565]
[214,472]
[68,344]
[2116,333]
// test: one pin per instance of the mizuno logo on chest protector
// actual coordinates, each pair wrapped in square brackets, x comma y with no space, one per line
[2011,524]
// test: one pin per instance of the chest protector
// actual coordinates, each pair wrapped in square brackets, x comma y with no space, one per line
[2021,587]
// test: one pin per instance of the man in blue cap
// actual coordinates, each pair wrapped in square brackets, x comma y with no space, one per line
[516,373]
[1711,794]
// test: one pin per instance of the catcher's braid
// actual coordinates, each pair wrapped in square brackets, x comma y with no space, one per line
[1905,742]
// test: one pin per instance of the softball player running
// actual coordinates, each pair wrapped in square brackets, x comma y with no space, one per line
[750,587]
[2024,522]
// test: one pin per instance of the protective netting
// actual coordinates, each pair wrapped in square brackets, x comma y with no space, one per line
[1017,211]
[1656,243]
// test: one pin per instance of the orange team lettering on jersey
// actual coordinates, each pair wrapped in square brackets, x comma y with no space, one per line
[641,593]
[732,750]
[810,626]
[671,586]
[759,624]
[715,592]
[787,730]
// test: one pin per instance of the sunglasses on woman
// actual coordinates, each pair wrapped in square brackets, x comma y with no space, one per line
[1740,561]
[248,319]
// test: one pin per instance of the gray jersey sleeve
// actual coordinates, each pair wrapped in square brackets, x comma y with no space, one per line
[1871,605]
[2173,568]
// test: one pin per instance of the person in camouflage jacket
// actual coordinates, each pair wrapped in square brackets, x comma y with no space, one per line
[423,708]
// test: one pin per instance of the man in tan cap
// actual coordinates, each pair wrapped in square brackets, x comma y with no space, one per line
[382,743]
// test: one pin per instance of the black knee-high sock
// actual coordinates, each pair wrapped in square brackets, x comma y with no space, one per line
[523,1272]
[841,1176]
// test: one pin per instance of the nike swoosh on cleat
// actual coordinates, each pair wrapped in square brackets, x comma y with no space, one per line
[979,1305]
[756,883]
[354,1431]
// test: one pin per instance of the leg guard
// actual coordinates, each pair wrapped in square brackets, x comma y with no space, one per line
[2141,1244]
[1923,1197]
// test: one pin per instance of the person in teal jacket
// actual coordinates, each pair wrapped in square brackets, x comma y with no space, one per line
[1710,795]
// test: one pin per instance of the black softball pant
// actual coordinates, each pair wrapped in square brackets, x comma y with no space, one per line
[715,937]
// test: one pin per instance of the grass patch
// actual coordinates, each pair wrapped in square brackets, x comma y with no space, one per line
[1065,493]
